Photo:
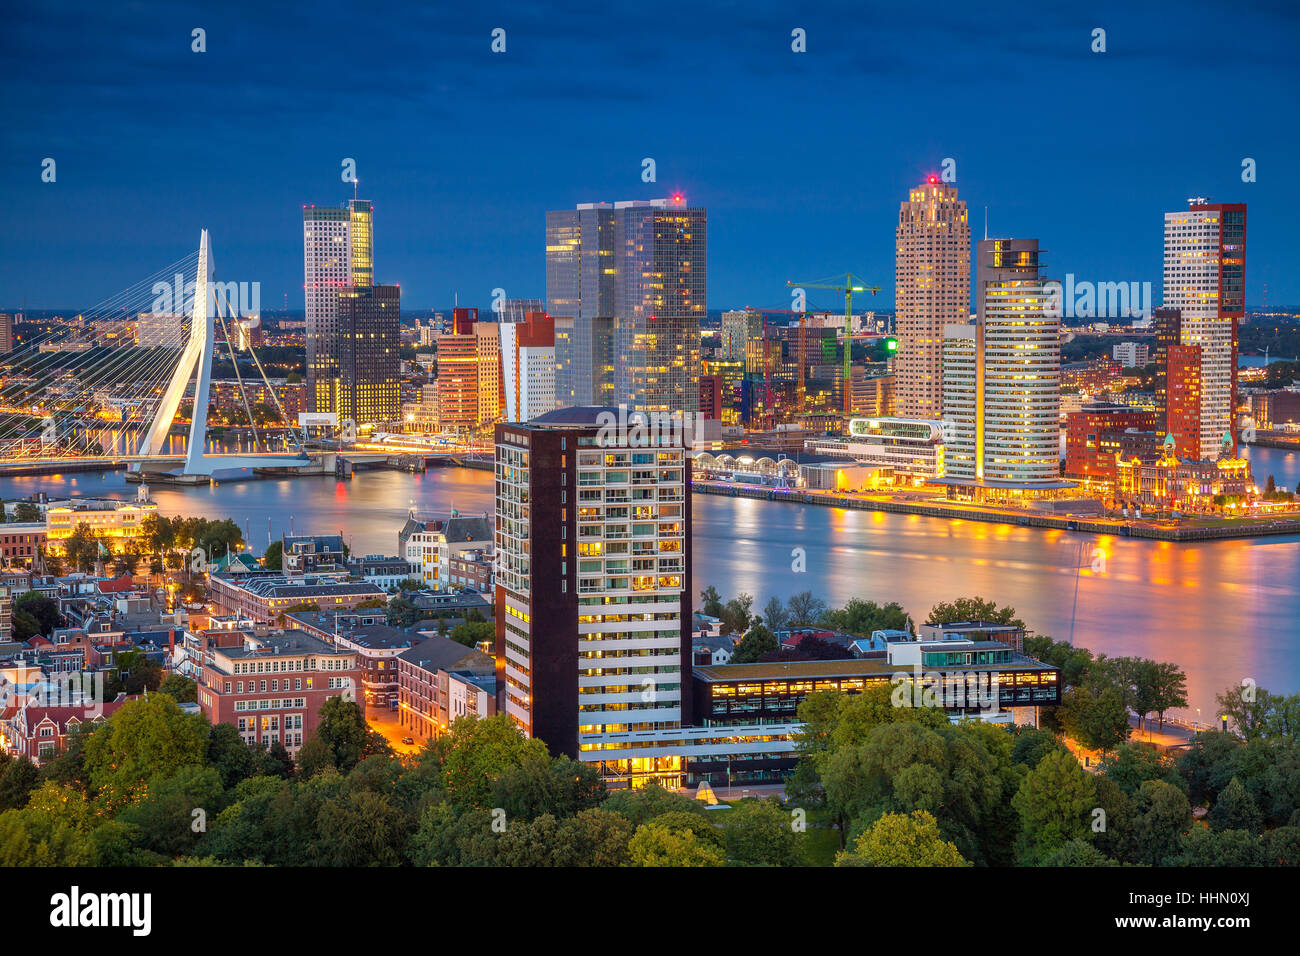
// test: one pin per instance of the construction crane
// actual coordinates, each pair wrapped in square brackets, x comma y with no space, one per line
[848,287]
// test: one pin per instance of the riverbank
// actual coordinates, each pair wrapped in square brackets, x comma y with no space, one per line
[1213,530]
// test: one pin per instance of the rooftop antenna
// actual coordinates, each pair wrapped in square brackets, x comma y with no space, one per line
[986,223]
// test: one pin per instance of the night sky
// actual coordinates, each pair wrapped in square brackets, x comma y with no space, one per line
[801,159]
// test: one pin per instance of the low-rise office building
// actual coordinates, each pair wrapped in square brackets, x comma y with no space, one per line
[272,687]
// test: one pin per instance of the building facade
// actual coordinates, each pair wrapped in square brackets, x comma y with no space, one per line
[1002,376]
[528,366]
[932,290]
[368,386]
[272,687]
[1204,279]
[593,587]
[338,254]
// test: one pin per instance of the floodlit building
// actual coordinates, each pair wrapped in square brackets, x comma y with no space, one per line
[932,290]
[1002,379]
[1205,280]
[338,254]
[912,448]
[593,588]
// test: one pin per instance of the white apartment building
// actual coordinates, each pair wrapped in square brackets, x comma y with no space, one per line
[1131,354]
[528,366]
[592,543]
[428,547]
[1002,376]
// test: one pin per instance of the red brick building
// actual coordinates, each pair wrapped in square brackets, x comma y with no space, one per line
[272,688]
[1095,434]
[19,543]
[41,733]
[1183,401]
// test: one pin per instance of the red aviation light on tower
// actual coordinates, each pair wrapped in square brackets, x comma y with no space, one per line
[932,179]
[678,198]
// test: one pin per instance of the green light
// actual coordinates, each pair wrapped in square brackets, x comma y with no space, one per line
[891,344]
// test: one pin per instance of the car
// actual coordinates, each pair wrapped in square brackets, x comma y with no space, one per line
[409,741]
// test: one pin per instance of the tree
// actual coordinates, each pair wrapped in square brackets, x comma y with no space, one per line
[1201,847]
[736,616]
[863,617]
[43,609]
[1161,816]
[656,845]
[540,785]
[361,828]
[751,648]
[645,803]
[1167,688]
[1097,718]
[1078,852]
[805,608]
[273,559]
[899,839]
[477,752]
[1131,765]
[25,512]
[162,819]
[775,616]
[1031,744]
[760,833]
[1235,810]
[146,738]
[180,688]
[402,613]
[82,547]
[342,728]
[229,755]
[711,602]
[972,609]
[18,778]
[471,633]
[52,830]
[1055,802]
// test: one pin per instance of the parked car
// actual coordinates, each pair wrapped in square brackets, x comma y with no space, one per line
[409,741]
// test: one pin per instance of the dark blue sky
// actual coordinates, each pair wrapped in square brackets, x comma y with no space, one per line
[801,159]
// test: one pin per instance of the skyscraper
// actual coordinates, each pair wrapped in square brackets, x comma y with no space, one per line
[368,386]
[593,585]
[1205,279]
[632,276]
[580,270]
[337,254]
[661,296]
[932,290]
[1002,376]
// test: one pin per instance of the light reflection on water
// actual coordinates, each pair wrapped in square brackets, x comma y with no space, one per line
[1223,610]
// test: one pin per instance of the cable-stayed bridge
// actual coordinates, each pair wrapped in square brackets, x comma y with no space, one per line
[108,386]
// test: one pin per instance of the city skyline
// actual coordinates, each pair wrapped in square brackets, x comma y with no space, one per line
[834,189]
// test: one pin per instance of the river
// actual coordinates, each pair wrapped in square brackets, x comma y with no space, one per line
[1223,610]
